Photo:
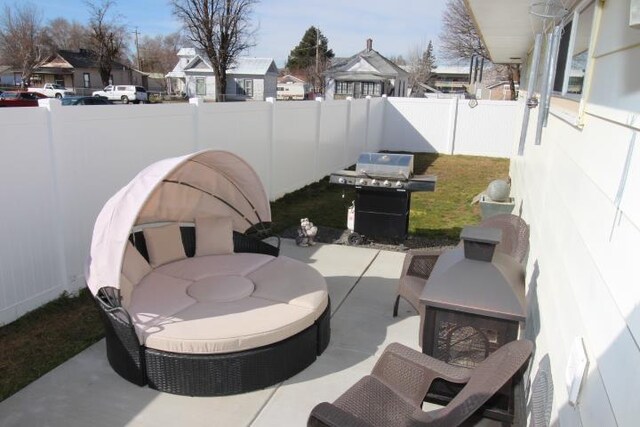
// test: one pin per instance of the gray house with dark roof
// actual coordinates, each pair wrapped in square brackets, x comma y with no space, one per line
[366,73]
[79,69]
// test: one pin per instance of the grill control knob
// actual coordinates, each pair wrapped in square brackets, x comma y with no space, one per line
[386,183]
[374,182]
[362,181]
[341,180]
[398,184]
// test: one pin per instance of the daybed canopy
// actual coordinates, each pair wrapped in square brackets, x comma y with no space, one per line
[207,183]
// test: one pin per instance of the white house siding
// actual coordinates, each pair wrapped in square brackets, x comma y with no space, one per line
[270,86]
[210,86]
[580,192]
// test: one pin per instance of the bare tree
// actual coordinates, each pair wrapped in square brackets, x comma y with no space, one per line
[422,62]
[220,28]
[23,43]
[106,38]
[67,35]
[460,39]
[158,54]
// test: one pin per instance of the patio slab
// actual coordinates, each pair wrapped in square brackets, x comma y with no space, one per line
[85,390]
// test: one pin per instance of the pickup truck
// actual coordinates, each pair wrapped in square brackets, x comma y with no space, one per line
[53,90]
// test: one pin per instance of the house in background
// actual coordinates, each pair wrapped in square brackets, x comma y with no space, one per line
[79,70]
[250,79]
[292,88]
[8,76]
[366,73]
[450,78]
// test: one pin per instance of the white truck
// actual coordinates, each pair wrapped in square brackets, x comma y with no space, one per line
[53,90]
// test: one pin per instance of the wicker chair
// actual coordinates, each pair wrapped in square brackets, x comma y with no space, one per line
[393,394]
[418,263]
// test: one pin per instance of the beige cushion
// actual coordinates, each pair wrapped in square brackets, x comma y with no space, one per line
[134,266]
[292,282]
[198,268]
[126,290]
[164,244]
[214,235]
[223,303]
[210,327]
[158,296]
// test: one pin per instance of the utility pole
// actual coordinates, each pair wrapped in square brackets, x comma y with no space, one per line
[137,50]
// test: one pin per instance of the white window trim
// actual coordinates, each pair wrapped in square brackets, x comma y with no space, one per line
[570,117]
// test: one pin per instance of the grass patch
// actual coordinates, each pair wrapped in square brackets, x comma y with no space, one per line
[439,214]
[44,338]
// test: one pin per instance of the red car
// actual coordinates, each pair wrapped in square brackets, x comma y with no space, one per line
[20,99]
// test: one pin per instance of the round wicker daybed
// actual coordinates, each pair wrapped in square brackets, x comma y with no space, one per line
[194,301]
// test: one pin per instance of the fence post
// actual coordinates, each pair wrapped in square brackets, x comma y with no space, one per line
[366,122]
[197,103]
[453,123]
[318,129]
[347,138]
[271,101]
[53,107]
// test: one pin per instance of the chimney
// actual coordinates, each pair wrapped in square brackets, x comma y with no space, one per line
[369,45]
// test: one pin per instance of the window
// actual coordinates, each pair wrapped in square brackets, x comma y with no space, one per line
[244,87]
[111,80]
[344,88]
[86,80]
[573,53]
[371,88]
[201,87]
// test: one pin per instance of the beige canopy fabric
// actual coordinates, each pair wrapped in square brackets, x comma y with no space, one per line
[179,189]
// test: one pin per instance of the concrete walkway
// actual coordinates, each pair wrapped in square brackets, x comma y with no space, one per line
[86,392]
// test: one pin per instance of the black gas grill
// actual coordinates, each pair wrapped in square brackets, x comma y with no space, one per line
[384,183]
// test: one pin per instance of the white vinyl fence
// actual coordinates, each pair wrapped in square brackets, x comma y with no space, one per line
[59,165]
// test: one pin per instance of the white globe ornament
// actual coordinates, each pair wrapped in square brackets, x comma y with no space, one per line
[498,190]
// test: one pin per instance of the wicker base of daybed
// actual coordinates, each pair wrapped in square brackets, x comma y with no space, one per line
[216,374]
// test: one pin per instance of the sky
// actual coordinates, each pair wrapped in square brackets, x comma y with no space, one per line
[396,27]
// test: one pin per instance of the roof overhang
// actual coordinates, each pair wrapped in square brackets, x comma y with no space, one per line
[506,27]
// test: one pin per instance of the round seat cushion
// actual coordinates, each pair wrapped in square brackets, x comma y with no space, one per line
[221,289]
[226,303]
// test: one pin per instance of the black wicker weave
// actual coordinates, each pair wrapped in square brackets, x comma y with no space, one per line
[206,374]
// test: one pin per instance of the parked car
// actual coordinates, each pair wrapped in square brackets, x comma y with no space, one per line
[124,93]
[20,99]
[53,90]
[86,100]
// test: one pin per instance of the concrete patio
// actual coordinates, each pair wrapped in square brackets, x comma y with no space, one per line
[85,391]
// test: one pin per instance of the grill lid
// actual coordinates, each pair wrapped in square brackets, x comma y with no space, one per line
[398,166]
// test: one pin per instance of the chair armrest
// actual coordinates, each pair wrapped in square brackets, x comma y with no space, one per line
[410,373]
[327,415]
[420,262]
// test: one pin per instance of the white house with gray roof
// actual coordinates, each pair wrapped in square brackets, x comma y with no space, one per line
[249,79]
[366,73]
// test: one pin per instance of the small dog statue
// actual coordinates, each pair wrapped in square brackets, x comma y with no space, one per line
[306,233]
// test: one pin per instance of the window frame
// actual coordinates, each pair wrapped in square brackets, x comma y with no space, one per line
[574,19]
[86,80]
[203,86]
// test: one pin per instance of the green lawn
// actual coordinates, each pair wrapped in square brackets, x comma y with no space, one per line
[438,214]
[46,337]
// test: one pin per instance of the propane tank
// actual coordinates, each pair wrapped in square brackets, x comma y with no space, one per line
[351,216]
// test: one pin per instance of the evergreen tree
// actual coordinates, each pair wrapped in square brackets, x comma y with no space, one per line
[303,55]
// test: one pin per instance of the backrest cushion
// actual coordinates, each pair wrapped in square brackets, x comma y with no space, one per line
[214,235]
[164,244]
[134,266]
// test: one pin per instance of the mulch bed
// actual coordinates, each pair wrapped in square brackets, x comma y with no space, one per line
[339,237]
